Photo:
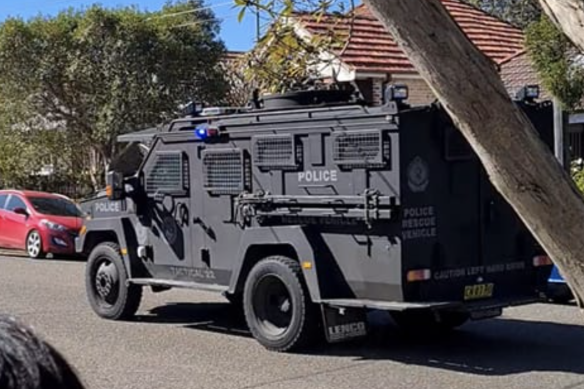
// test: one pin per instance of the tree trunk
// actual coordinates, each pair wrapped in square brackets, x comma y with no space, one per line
[568,15]
[518,163]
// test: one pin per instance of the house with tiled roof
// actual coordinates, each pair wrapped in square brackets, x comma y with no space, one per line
[372,58]
[517,71]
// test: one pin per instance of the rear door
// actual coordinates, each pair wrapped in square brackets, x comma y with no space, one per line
[507,245]
[441,199]
[15,225]
[3,232]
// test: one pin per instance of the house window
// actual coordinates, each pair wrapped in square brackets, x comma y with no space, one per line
[575,144]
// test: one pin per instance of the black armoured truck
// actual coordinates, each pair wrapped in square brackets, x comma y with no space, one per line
[309,209]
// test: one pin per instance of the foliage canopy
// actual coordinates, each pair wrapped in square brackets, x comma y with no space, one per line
[97,73]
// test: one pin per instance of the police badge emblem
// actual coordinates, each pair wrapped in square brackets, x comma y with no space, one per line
[418,175]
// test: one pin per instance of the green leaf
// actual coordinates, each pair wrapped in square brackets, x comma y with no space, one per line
[241,15]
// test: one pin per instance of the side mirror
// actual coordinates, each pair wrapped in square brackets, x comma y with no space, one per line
[20,211]
[114,189]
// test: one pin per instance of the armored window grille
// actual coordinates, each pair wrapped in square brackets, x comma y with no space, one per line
[274,151]
[360,148]
[457,148]
[169,174]
[224,171]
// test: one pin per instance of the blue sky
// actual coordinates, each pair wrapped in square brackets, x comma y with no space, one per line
[237,36]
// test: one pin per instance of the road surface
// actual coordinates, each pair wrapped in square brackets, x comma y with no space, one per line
[184,339]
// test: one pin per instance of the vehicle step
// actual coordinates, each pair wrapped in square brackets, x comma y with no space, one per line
[386,305]
[178,284]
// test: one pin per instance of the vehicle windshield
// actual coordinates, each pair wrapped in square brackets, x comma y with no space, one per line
[55,206]
[129,160]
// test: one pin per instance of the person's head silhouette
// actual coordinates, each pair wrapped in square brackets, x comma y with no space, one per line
[27,362]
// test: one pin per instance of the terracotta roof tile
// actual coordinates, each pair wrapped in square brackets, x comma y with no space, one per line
[372,49]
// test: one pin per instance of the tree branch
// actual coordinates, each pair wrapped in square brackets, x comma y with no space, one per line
[568,15]
[514,156]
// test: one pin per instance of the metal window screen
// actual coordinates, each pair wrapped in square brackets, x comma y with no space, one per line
[274,151]
[358,148]
[166,174]
[223,171]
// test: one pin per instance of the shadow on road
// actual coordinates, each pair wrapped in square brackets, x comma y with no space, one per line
[493,347]
[50,257]
[215,317]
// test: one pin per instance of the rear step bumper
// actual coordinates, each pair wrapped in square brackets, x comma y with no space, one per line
[446,305]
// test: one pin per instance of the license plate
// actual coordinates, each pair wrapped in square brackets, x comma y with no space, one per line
[479,291]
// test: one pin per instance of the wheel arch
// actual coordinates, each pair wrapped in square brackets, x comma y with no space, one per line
[289,241]
[117,231]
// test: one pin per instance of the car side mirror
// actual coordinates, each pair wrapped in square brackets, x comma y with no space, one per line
[20,211]
[114,189]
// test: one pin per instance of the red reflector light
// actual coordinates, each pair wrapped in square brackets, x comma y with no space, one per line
[541,260]
[419,275]
[212,131]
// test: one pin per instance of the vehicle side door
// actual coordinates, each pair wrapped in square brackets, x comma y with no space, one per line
[15,225]
[167,188]
[3,240]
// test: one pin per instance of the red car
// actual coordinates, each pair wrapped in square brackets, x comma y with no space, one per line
[38,222]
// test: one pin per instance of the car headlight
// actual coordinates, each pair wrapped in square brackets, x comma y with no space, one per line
[53,226]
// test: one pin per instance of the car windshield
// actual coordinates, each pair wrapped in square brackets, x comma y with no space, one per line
[55,206]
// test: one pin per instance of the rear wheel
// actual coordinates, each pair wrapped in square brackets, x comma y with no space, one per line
[560,293]
[426,321]
[34,245]
[277,307]
[108,292]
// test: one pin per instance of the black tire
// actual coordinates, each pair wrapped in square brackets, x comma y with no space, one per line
[560,293]
[425,321]
[106,284]
[277,306]
[34,245]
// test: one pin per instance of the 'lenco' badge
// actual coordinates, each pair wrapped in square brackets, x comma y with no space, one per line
[418,175]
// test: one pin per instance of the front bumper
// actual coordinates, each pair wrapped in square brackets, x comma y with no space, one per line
[60,242]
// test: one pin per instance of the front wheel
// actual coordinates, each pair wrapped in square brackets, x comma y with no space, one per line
[34,245]
[108,291]
[277,307]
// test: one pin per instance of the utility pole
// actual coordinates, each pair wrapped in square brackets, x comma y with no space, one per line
[258,27]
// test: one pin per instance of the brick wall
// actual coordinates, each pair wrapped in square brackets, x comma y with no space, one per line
[377,95]
[419,92]
[517,72]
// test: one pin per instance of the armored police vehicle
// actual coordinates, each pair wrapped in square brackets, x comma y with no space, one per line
[309,209]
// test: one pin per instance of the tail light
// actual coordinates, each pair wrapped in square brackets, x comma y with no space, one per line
[419,275]
[542,260]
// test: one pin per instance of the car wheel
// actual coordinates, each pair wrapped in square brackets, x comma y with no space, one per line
[560,293]
[277,307]
[34,245]
[108,291]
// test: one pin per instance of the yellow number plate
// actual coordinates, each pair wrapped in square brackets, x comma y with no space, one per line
[480,291]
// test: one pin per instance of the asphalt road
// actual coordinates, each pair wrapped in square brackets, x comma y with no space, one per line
[185,339]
